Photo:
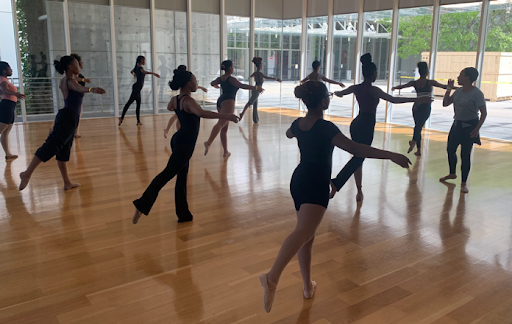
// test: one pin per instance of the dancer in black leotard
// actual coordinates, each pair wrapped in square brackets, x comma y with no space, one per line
[183,143]
[60,140]
[420,112]
[226,104]
[10,96]
[467,102]
[317,76]
[139,73]
[310,183]
[363,126]
[259,78]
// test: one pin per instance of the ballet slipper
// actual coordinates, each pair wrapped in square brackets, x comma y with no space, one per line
[136,216]
[417,153]
[312,292]
[228,154]
[448,177]
[139,124]
[24,181]
[268,292]
[120,121]
[411,146]
[71,186]
[464,188]
[10,157]
[206,148]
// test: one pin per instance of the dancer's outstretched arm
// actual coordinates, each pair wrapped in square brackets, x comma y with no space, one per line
[147,72]
[345,92]
[4,89]
[191,106]
[406,85]
[73,85]
[333,82]
[270,78]
[240,85]
[378,93]
[448,97]
[215,83]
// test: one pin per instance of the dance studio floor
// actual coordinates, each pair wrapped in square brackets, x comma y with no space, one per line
[416,251]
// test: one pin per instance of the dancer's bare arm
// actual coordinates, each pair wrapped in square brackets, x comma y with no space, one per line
[378,93]
[191,106]
[448,97]
[345,92]
[289,133]
[147,72]
[215,83]
[483,116]
[333,82]
[73,85]
[407,85]
[4,87]
[270,78]
[240,85]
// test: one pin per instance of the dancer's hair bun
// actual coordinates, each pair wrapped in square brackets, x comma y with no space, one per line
[366,58]
[180,79]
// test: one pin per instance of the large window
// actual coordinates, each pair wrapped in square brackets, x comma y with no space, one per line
[133,38]
[291,62]
[206,51]
[316,43]
[344,49]
[171,50]
[376,41]
[238,51]
[89,30]
[414,34]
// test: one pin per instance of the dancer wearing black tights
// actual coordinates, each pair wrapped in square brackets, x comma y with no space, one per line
[310,184]
[139,73]
[183,143]
[363,126]
[467,102]
[420,112]
[60,140]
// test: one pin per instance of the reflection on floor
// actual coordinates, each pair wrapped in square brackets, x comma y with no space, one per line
[415,251]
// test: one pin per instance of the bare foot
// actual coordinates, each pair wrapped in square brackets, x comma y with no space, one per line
[11,157]
[71,186]
[417,153]
[136,216]
[206,148]
[139,124]
[308,293]
[120,121]
[227,154]
[411,146]
[166,132]
[448,177]
[464,188]
[359,196]
[77,135]
[24,180]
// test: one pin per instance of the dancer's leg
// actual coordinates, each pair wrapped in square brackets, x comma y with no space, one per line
[348,170]
[25,176]
[305,256]
[227,107]
[5,129]
[465,160]
[224,140]
[137,109]
[451,149]
[133,96]
[358,177]
[255,116]
[63,168]
[180,196]
[77,131]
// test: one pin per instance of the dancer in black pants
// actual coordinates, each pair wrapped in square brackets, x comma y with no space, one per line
[183,143]
[363,126]
[467,102]
[139,73]
[420,112]
[60,140]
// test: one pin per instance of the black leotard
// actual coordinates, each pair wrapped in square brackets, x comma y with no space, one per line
[427,88]
[311,179]
[189,129]
[228,91]
[140,76]
[74,100]
[258,79]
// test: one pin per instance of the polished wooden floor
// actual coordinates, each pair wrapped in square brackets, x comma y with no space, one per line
[416,250]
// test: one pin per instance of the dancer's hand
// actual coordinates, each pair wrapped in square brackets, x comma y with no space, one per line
[87,80]
[341,85]
[232,117]
[401,160]
[451,83]
[260,89]
[393,89]
[474,133]
[203,89]
[241,116]
[98,90]
[279,80]
[20,96]
[333,190]
[157,75]
[216,86]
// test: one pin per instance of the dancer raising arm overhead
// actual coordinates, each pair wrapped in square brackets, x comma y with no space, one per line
[316,76]
[139,73]
[259,78]
[310,183]
[10,96]
[226,104]
[363,126]
[420,111]
[183,143]
[467,102]
[60,140]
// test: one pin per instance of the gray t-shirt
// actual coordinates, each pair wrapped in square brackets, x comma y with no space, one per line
[465,104]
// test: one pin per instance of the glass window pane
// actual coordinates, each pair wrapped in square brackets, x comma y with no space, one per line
[292,29]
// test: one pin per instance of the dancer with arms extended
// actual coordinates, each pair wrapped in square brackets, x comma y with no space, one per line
[467,102]
[10,96]
[316,76]
[420,111]
[310,183]
[60,140]
[183,143]
[140,74]
[259,78]
[363,126]
[226,104]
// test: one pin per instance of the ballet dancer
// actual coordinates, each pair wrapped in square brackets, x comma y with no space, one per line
[174,117]
[316,76]
[10,96]
[139,73]
[420,112]
[310,183]
[363,126]
[259,78]
[226,104]
[467,102]
[60,140]
[183,143]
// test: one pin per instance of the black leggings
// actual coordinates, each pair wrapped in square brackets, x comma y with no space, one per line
[460,135]
[420,113]
[177,166]
[135,96]
[361,131]
[254,102]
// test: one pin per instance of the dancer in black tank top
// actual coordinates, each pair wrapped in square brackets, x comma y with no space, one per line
[420,111]
[309,186]
[259,78]
[183,143]
[140,74]
[226,104]
[60,140]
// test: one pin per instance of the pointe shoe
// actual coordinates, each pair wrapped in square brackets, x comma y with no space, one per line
[312,292]
[268,293]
